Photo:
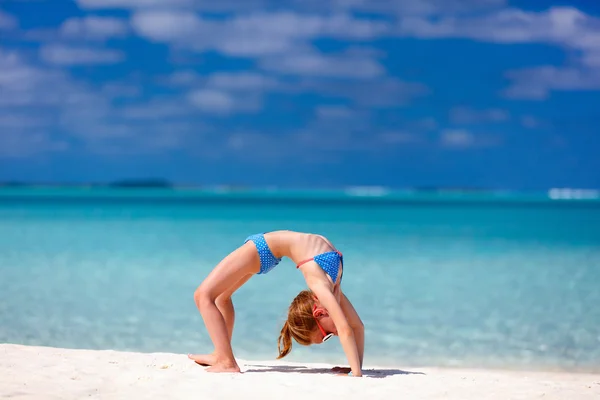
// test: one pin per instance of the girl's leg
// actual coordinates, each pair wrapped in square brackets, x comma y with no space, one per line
[225,306]
[240,263]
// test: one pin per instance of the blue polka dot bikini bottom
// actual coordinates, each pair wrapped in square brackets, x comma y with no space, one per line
[267,260]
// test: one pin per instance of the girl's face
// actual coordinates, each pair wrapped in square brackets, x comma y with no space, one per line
[325,326]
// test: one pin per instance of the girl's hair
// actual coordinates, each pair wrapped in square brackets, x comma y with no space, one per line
[299,325]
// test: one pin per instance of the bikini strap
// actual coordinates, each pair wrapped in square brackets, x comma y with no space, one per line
[312,258]
[304,262]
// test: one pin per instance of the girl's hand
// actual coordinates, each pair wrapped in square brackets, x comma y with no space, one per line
[341,370]
[345,332]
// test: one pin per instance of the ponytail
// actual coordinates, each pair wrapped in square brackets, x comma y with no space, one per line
[299,325]
[285,339]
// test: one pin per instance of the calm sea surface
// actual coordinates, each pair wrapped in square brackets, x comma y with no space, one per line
[438,280]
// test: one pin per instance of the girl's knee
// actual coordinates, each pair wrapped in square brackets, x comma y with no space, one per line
[223,301]
[202,298]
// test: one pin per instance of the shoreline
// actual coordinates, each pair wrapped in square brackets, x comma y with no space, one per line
[36,372]
[372,362]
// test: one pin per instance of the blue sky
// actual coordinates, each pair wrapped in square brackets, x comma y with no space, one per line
[478,93]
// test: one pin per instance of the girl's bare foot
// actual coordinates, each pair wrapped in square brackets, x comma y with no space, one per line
[224,367]
[202,359]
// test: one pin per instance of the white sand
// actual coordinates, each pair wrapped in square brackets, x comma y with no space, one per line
[28,372]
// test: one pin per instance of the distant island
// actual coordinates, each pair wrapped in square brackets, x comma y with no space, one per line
[124,183]
[144,183]
[141,183]
[159,183]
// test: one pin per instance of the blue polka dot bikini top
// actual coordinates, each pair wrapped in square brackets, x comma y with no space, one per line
[329,262]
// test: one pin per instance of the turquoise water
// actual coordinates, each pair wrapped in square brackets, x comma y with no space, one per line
[449,280]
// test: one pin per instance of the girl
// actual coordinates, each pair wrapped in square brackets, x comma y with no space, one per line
[313,317]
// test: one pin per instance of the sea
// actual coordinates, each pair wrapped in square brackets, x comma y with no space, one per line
[445,279]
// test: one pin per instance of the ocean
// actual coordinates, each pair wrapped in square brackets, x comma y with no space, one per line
[440,279]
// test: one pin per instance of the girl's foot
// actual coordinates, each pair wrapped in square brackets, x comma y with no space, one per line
[205,360]
[220,367]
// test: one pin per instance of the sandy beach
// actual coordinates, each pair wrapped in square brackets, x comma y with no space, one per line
[28,372]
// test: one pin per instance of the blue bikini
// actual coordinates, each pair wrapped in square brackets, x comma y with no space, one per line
[267,259]
[329,261]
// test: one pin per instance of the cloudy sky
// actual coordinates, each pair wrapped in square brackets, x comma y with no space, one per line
[492,93]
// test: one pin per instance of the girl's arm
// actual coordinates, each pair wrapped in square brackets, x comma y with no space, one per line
[345,331]
[356,324]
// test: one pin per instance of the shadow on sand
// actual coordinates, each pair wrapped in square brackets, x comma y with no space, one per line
[370,373]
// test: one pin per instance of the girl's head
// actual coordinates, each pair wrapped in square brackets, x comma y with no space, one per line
[307,322]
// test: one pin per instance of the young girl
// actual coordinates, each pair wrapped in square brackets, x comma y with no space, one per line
[313,317]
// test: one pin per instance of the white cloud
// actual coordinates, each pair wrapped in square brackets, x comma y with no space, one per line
[335,130]
[265,148]
[314,64]
[398,138]
[219,102]
[566,27]
[66,55]
[250,35]
[359,81]
[38,103]
[126,4]
[381,92]
[563,26]
[203,5]
[555,25]
[18,145]
[249,87]
[537,83]
[467,115]
[156,109]
[280,43]
[333,112]
[401,7]
[456,138]
[171,26]
[20,120]
[223,93]
[26,88]
[530,122]
[327,138]
[250,45]
[182,78]
[12,69]
[94,27]
[280,40]
[241,81]
[124,139]
[226,92]
[464,139]
[408,7]
[592,58]
[105,129]
[295,25]
[23,134]
[24,84]
[120,90]
[425,124]
[7,21]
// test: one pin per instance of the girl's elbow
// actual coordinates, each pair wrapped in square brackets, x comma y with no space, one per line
[357,325]
[345,332]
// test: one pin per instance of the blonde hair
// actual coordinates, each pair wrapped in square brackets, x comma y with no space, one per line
[299,325]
